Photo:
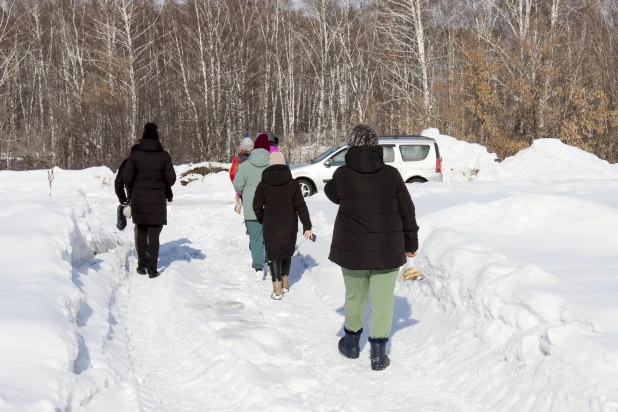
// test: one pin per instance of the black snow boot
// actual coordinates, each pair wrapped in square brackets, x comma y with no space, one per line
[141,268]
[349,344]
[379,360]
[152,272]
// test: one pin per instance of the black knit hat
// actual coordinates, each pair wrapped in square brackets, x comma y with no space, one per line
[273,138]
[150,131]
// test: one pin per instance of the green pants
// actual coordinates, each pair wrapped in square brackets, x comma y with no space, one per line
[380,286]
[256,243]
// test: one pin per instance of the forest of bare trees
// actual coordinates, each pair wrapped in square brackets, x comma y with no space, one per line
[78,79]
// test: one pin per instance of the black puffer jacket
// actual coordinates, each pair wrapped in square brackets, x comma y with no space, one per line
[278,203]
[376,222]
[119,186]
[146,175]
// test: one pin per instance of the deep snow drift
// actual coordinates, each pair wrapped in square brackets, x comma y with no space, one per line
[517,313]
[461,161]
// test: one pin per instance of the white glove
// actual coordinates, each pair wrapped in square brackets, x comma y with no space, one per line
[127,211]
[238,205]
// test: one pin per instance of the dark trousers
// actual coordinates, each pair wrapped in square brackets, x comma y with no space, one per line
[148,238]
[280,268]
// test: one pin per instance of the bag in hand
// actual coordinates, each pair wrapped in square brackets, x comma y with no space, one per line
[238,205]
[410,272]
[121,220]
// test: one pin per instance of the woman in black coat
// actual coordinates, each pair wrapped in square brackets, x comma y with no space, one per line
[278,203]
[119,186]
[123,197]
[147,174]
[374,231]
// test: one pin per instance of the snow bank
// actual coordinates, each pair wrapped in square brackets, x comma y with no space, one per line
[461,161]
[193,172]
[524,281]
[550,159]
[58,344]
[182,169]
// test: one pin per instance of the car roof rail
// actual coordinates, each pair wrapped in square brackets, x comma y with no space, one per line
[411,137]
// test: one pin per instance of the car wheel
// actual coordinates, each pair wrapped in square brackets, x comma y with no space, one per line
[306,187]
[417,180]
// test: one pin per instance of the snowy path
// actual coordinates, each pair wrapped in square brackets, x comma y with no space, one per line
[205,336]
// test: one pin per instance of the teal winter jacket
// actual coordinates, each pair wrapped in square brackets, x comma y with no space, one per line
[247,178]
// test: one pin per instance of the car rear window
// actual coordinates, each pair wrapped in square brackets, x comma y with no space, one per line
[414,153]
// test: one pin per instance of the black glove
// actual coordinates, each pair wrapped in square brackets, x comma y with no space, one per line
[121,220]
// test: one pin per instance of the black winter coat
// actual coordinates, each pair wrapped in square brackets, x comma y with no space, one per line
[376,222]
[119,186]
[278,203]
[147,174]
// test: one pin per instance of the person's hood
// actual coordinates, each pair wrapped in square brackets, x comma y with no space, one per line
[365,159]
[276,175]
[259,157]
[150,145]
[135,147]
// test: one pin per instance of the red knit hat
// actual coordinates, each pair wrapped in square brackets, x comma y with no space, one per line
[261,142]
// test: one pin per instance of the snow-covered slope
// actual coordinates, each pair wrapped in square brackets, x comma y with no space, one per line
[461,161]
[550,159]
[528,278]
[59,345]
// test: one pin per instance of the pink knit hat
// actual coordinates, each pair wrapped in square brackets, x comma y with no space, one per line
[276,158]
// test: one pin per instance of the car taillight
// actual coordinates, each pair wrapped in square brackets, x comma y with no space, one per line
[438,165]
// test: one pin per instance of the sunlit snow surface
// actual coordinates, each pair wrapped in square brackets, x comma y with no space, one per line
[518,312]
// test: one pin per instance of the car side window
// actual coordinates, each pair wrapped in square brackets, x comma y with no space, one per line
[339,158]
[414,153]
[389,154]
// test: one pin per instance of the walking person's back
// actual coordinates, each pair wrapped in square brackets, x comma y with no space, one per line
[278,204]
[149,174]
[247,178]
[374,231]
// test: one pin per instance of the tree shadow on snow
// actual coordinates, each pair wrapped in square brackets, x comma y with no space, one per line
[176,251]
[402,318]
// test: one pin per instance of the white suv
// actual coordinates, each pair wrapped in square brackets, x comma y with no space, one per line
[417,158]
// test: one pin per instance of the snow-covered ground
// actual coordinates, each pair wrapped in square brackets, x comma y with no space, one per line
[518,312]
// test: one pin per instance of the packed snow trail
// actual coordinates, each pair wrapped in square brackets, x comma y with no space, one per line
[206,336]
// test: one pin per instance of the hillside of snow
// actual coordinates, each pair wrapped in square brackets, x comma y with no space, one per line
[517,313]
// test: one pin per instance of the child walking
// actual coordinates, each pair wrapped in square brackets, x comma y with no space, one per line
[278,204]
